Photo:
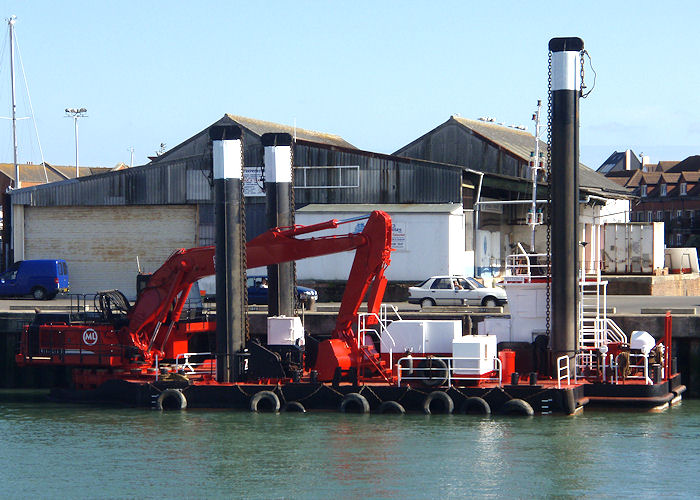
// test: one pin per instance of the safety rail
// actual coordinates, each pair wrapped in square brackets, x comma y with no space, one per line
[563,371]
[523,267]
[383,321]
[183,363]
[445,370]
[592,359]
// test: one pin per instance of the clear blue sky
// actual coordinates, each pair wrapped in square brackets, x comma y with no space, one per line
[380,74]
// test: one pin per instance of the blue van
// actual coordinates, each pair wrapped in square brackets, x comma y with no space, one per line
[43,279]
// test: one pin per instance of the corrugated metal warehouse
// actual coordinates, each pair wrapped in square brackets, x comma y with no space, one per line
[102,224]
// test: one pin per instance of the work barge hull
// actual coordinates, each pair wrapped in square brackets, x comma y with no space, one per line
[542,396]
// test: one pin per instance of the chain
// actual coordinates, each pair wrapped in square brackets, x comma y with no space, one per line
[244,256]
[549,196]
[292,207]
[583,86]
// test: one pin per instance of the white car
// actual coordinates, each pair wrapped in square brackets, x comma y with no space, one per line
[455,290]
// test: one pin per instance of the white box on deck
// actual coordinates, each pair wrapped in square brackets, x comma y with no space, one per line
[481,351]
[421,336]
[285,330]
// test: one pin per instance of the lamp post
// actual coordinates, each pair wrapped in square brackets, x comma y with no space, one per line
[76,113]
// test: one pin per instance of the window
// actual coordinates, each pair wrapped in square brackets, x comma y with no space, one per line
[643,190]
[663,189]
[660,215]
[650,217]
[679,239]
[684,188]
[679,214]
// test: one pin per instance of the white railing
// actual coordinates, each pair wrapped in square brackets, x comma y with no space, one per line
[522,267]
[382,321]
[563,370]
[184,363]
[409,369]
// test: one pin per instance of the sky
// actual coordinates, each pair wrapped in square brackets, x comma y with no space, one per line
[378,73]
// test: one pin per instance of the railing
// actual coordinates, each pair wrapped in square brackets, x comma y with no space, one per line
[183,362]
[563,371]
[522,267]
[588,360]
[407,368]
[383,321]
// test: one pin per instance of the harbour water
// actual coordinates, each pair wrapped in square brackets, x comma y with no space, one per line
[68,451]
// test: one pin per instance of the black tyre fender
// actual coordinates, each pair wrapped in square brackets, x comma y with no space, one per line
[391,407]
[354,403]
[475,406]
[444,399]
[171,399]
[293,406]
[433,371]
[517,407]
[39,293]
[269,398]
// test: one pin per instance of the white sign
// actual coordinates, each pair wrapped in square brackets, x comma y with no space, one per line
[252,181]
[90,337]
[398,234]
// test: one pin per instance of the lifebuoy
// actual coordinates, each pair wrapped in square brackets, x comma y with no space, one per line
[293,406]
[354,403]
[391,407]
[438,402]
[265,401]
[475,406]
[171,399]
[517,407]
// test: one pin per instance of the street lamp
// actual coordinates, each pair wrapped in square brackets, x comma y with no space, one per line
[76,113]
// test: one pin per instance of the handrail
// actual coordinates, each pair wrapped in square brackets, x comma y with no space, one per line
[561,370]
[450,364]
[187,365]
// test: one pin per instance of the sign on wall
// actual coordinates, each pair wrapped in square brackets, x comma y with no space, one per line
[252,181]
[398,234]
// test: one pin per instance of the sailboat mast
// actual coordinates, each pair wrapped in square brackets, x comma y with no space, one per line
[11,22]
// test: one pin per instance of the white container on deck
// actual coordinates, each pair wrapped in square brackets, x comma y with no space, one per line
[285,330]
[421,336]
[642,341]
[481,349]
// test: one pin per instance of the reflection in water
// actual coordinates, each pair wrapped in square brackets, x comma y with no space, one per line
[80,451]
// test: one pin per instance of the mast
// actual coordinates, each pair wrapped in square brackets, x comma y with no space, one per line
[11,23]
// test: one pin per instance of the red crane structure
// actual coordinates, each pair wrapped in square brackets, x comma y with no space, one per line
[120,341]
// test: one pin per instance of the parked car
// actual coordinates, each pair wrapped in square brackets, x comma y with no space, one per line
[257,292]
[43,279]
[455,290]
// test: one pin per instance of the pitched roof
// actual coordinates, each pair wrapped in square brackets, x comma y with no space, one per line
[39,174]
[521,142]
[690,164]
[260,127]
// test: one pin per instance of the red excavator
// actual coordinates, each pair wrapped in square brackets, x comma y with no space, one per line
[116,340]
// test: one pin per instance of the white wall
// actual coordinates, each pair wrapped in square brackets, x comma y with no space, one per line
[433,243]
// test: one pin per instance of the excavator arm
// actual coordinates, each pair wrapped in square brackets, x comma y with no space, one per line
[160,304]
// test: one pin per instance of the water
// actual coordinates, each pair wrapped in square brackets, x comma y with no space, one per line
[67,451]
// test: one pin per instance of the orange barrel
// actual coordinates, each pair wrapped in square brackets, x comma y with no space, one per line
[507,357]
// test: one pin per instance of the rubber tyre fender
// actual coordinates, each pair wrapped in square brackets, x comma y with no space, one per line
[475,406]
[391,407]
[267,396]
[447,403]
[354,400]
[171,399]
[433,372]
[293,407]
[517,407]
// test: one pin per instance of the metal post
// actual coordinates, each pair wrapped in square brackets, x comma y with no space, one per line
[229,257]
[566,88]
[11,23]
[279,211]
